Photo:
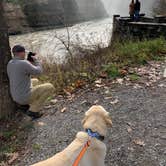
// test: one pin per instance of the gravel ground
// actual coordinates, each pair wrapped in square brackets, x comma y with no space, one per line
[138,135]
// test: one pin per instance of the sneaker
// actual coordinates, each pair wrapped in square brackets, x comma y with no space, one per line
[34,115]
[25,109]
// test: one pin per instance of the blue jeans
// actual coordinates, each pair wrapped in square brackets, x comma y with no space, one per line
[136,15]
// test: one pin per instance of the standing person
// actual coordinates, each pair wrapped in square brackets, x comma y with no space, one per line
[131,9]
[137,7]
[27,92]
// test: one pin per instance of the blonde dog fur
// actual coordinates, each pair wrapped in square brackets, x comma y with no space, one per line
[97,119]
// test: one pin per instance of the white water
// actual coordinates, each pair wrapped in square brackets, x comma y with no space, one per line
[83,35]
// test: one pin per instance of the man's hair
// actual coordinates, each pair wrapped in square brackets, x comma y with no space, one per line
[18,48]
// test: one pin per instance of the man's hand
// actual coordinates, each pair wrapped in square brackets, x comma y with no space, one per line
[34,58]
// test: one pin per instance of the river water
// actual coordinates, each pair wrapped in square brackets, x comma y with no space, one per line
[50,43]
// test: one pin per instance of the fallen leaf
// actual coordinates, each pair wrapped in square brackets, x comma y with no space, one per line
[79,83]
[123,72]
[47,106]
[103,75]
[96,101]
[71,97]
[127,79]
[63,110]
[84,74]
[54,101]
[147,84]
[120,81]
[69,90]
[14,156]
[83,102]
[14,137]
[98,81]
[107,92]
[161,85]
[131,149]
[108,98]
[78,111]
[3,164]
[164,73]
[41,123]
[129,123]
[139,142]
[115,101]
[137,86]
[129,129]
[99,85]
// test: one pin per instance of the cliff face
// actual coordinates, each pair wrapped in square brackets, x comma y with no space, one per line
[16,19]
[35,14]
[50,12]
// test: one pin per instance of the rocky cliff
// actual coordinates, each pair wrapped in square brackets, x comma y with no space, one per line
[50,12]
[37,14]
[16,19]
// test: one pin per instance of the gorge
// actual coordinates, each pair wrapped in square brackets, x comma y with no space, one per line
[95,31]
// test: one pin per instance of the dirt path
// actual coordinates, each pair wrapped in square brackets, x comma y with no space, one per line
[138,136]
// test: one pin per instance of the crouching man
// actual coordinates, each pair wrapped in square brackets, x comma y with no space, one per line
[28,94]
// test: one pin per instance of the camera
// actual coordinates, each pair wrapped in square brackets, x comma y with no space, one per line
[30,56]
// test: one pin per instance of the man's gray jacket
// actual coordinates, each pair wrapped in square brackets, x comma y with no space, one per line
[19,73]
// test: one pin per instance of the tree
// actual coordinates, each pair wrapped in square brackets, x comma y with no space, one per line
[6,103]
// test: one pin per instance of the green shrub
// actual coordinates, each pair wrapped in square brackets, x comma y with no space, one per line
[112,70]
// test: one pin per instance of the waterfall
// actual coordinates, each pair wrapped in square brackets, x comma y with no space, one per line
[122,6]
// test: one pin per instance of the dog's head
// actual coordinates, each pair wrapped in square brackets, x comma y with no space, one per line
[97,119]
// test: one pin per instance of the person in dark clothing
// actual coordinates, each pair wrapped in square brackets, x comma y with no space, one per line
[137,7]
[131,9]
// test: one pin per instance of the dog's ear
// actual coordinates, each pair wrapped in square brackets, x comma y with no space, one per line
[84,120]
[108,119]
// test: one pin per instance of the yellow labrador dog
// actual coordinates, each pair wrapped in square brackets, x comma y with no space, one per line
[95,123]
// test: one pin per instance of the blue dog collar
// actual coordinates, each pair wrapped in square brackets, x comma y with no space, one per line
[95,135]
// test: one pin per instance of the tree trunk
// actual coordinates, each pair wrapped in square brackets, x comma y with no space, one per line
[6,103]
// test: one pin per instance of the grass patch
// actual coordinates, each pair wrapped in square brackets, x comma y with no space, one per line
[134,77]
[8,134]
[132,53]
[112,70]
[36,147]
